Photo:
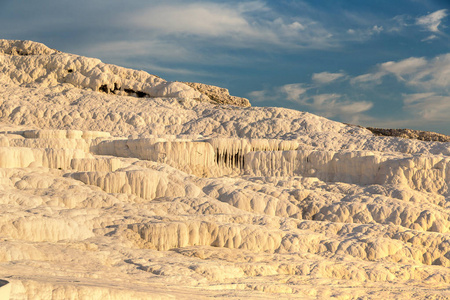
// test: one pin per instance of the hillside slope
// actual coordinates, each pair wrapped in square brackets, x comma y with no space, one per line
[116,184]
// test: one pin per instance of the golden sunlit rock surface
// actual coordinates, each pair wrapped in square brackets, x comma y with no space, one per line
[116,184]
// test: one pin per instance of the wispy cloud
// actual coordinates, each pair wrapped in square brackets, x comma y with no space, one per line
[261,96]
[361,34]
[369,78]
[157,48]
[334,105]
[427,80]
[201,18]
[401,69]
[326,77]
[416,72]
[208,32]
[427,23]
[330,105]
[429,38]
[428,106]
[235,25]
[377,29]
[432,21]
[293,91]
[399,23]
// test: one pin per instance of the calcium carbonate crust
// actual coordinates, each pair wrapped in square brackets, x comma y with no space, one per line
[117,184]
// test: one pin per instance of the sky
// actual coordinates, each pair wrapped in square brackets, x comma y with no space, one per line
[373,63]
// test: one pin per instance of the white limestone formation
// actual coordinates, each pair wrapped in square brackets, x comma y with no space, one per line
[116,184]
[5,289]
[420,172]
[24,66]
[194,157]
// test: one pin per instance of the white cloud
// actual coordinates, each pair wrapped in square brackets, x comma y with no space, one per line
[403,67]
[331,105]
[202,18]
[361,34]
[354,107]
[296,26]
[374,78]
[428,106]
[246,25]
[411,99]
[398,23]
[416,72]
[429,38]
[260,96]
[429,78]
[434,75]
[157,48]
[140,53]
[377,29]
[432,21]
[429,103]
[293,91]
[327,105]
[326,77]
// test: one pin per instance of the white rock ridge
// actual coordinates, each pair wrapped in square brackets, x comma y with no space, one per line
[116,184]
[29,62]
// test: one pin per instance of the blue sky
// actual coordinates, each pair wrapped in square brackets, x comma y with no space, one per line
[374,63]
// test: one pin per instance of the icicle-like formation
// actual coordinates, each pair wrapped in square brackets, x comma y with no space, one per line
[189,156]
[230,152]
[144,183]
[165,236]
[147,184]
[424,173]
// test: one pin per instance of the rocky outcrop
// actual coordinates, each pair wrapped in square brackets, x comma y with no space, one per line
[219,95]
[411,134]
[25,48]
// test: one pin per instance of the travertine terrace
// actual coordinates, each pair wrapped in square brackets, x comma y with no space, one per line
[116,184]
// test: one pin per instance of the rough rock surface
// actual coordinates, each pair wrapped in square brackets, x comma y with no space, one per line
[219,95]
[105,195]
[411,134]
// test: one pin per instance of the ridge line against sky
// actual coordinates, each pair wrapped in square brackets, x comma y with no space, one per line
[380,64]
